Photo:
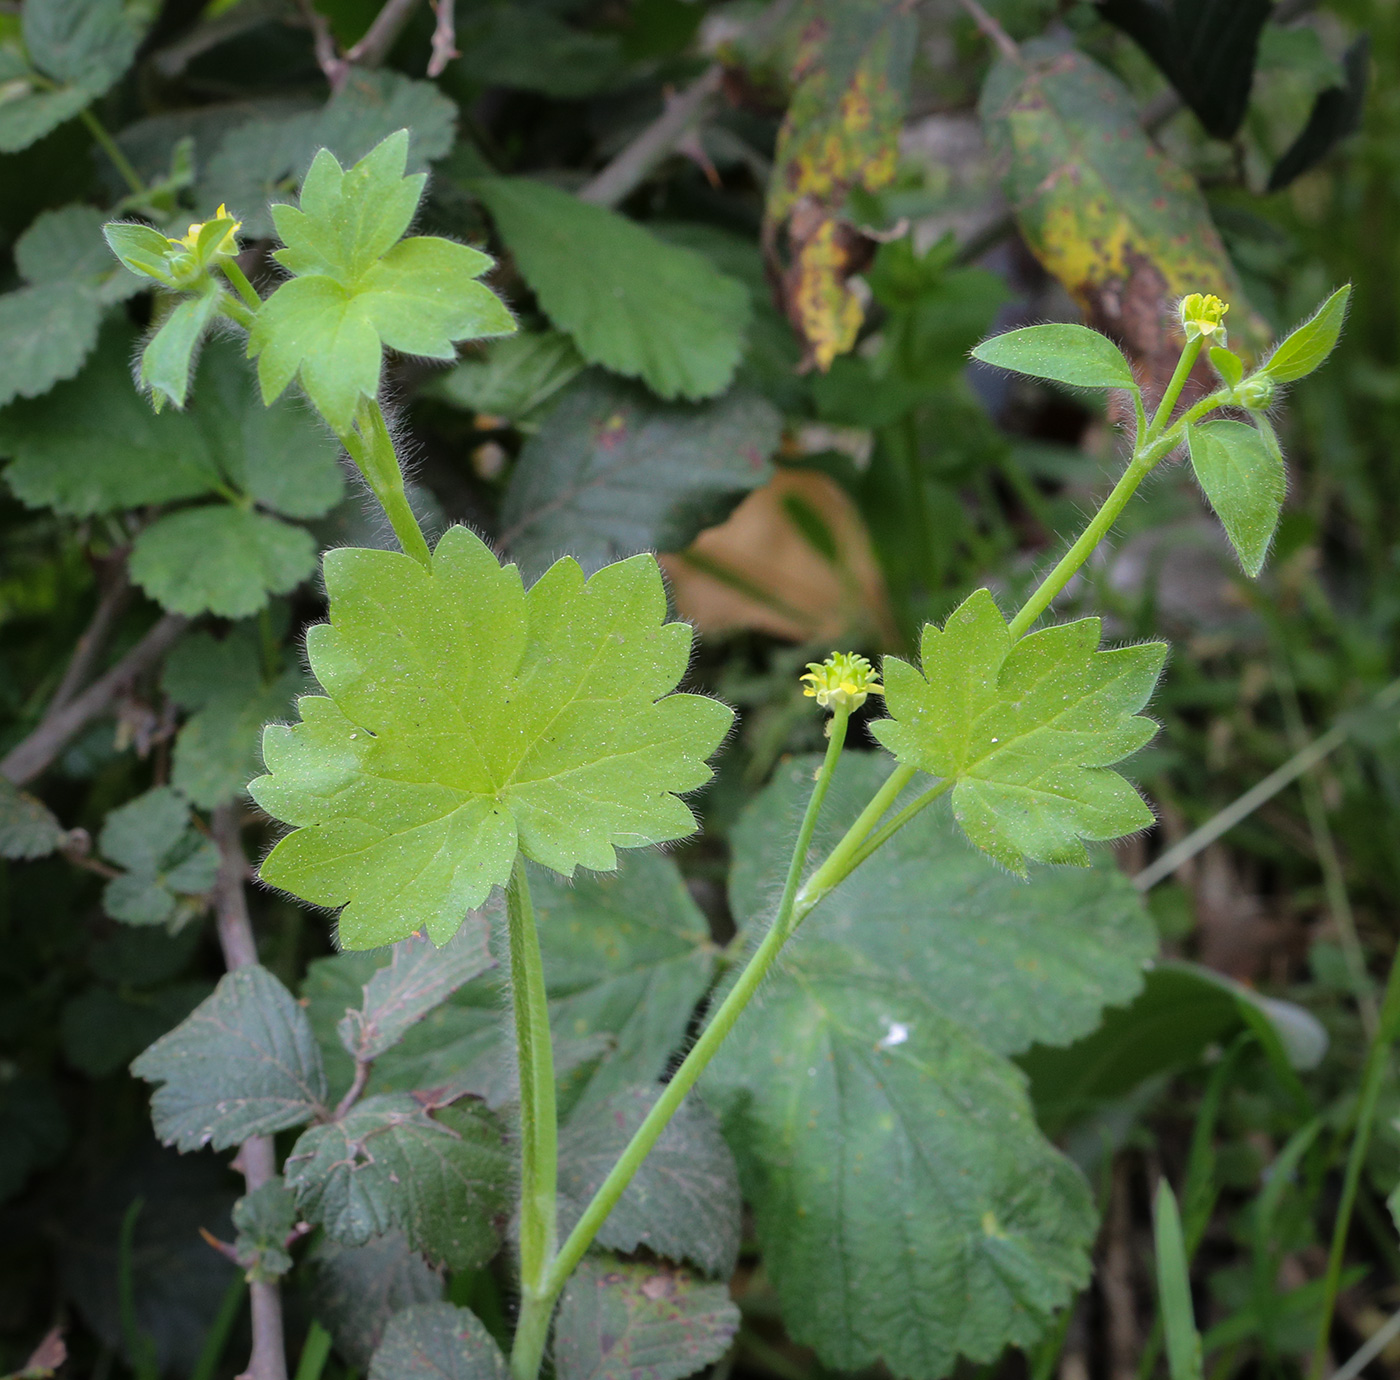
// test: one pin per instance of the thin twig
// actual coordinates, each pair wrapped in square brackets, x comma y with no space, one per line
[630,168]
[28,758]
[381,36]
[328,60]
[1003,42]
[1375,1344]
[444,38]
[93,639]
[256,1157]
[352,1093]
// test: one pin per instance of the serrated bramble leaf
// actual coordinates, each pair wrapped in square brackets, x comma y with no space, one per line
[630,301]
[356,1290]
[1245,480]
[465,717]
[167,860]
[264,1218]
[28,828]
[358,287]
[244,1063]
[418,977]
[1025,729]
[1307,348]
[632,1320]
[437,1341]
[46,332]
[442,1178]
[1065,353]
[683,1203]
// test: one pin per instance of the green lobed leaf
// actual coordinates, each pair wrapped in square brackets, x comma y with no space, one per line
[513,376]
[264,1218]
[631,302]
[623,1320]
[437,1341]
[220,559]
[683,1203]
[612,472]
[94,445]
[1026,730]
[358,287]
[256,162]
[1066,353]
[465,717]
[418,977]
[1012,962]
[221,684]
[355,1290]
[442,1178]
[28,828]
[166,860]
[46,331]
[89,43]
[34,110]
[243,1064]
[1245,481]
[1307,348]
[65,245]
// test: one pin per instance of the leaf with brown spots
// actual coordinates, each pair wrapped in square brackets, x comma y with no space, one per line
[840,134]
[1117,222]
[624,1320]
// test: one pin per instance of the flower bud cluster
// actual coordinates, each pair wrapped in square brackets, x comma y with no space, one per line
[1203,316]
[843,680]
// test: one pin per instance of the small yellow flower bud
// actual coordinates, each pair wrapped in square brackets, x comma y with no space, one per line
[843,680]
[227,245]
[1204,316]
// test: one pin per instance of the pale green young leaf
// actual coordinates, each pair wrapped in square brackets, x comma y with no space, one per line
[437,1341]
[465,718]
[28,828]
[140,249]
[358,287]
[1244,479]
[264,1218]
[1307,348]
[443,1178]
[220,559]
[166,861]
[222,686]
[683,1203]
[631,302]
[1065,353]
[243,1064]
[512,377]
[1228,365]
[1027,730]
[168,359]
[612,472]
[354,1291]
[419,977]
[634,1320]
[1016,963]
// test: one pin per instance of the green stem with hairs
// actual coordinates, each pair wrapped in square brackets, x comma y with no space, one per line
[371,447]
[230,269]
[112,149]
[539,1128]
[1175,384]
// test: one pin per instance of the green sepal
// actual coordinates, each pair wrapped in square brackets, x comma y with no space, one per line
[1025,729]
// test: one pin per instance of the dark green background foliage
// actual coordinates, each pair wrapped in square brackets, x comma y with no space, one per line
[748,249]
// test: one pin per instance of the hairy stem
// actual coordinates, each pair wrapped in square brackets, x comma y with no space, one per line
[1372,1081]
[230,269]
[1175,384]
[539,1132]
[257,1157]
[371,447]
[525,1358]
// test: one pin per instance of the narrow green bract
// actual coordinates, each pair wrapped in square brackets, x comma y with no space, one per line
[358,286]
[465,717]
[1026,729]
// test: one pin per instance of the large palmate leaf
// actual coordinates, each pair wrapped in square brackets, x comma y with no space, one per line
[1121,226]
[631,302]
[356,1290]
[243,1064]
[612,472]
[466,717]
[1015,964]
[437,1341]
[256,162]
[683,1203]
[442,1178]
[358,286]
[870,1081]
[627,1320]
[1026,730]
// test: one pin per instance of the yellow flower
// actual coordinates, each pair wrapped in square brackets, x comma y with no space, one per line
[1204,316]
[227,245]
[843,680]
